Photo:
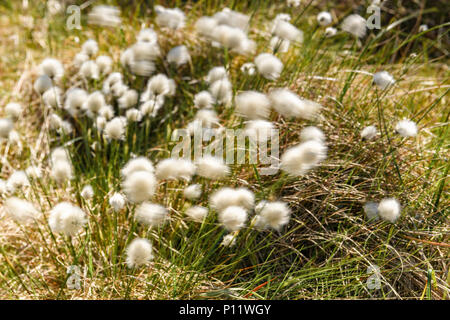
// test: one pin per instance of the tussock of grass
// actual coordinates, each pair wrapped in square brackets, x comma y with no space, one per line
[328,245]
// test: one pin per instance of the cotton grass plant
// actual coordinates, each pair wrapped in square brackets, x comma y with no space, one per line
[110,198]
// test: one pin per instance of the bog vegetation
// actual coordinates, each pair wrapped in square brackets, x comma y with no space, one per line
[95,205]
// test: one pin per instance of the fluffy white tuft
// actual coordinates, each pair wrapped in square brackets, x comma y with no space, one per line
[298,160]
[274,214]
[117,201]
[137,164]
[197,213]
[259,130]
[139,186]
[324,18]
[312,133]
[115,129]
[233,218]
[203,100]
[178,55]
[174,169]
[389,209]
[212,168]
[20,210]
[406,128]
[193,191]
[221,90]
[268,66]
[371,210]
[226,197]
[288,104]
[66,218]
[253,105]
[355,25]
[151,214]
[383,79]
[369,133]
[87,192]
[139,252]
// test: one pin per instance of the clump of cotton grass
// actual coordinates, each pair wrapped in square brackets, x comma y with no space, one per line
[13,110]
[90,47]
[117,201]
[355,25]
[111,80]
[79,59]
[139,58]
[232,18]
[89,70]
[139,252]
[205,26]
[259,130]
[226,197]
[248,68]
[197,213]
[52,97]
[279,45]
[268,66]
[152,106]
[406,128]
[289,104]
[371,210]
[286,31]
[128,99]
[17,180]
[383,80]
[233,218]
[21,211]
[139,186]
[204,118]
[252,105]
[53,68]
[312,133]
[75,101]
[221,90]
[137,164]
[94,103]
[158,86]
[133,115]
[192,192]
[203,100]
[175,169]
[369,133]
[151,214]
[115,129]
[298,160]
[330,32]
[67,218]
[61,171]
[229,240]
[104,64]
[215,74]
[213,168]
[233,38]
[324,18]
[272,214]
[147,35]
[42,84]
[6,126]
[106,16]
[172,18]
[87,192]
[178,56]
[389,209]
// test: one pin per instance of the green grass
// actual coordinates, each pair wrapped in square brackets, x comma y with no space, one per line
[327,247]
